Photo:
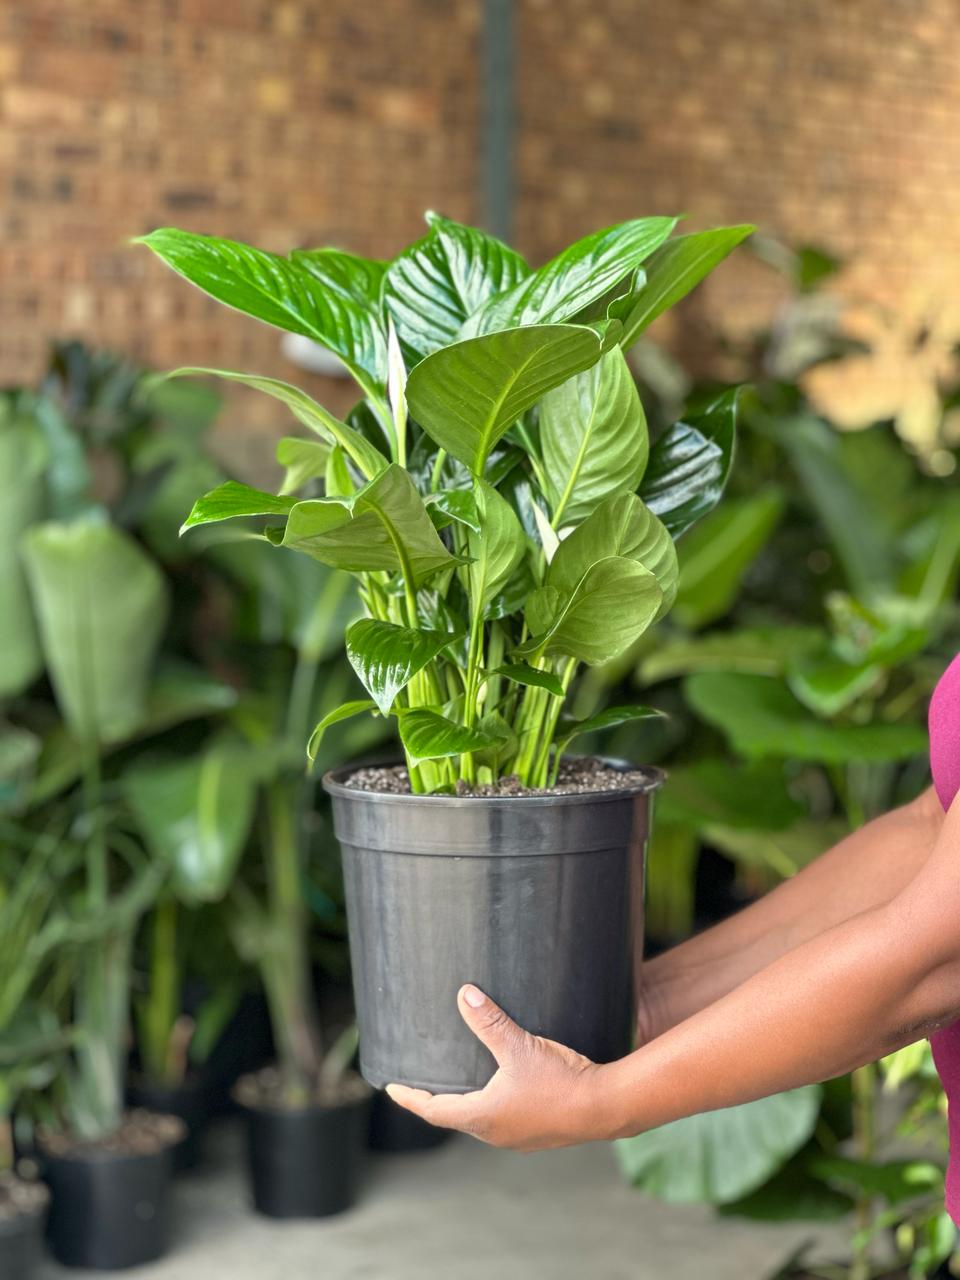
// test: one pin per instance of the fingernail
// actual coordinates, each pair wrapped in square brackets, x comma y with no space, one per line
[473,997]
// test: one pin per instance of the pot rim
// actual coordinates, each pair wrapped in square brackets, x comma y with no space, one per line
[334,783]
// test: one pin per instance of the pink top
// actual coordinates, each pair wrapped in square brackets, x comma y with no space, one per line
[945,767]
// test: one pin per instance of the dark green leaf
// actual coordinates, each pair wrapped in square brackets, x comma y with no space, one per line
[232,499]
[386,656]
[453,505]
[303,461]
[523,673]
[343,712]
[753,796]
[760,651]
[894,1181]
[23,458]
[689,465]
[427,735]
[791,1195]
[607,719]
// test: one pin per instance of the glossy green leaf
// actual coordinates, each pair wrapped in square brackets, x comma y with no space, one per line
[611,606]
[671,273]
[23,458]
[467,396]
[435,284]
[619,526]
[593,436]
[495,551]
[280,292]
[690,463]
[337,480]
[344,712]
[609,718]
[722,1155]
[101,605]
[761,717]
[354,278]
[386,657]
[302,460]
[523,673]
[383,526]
[367,457]
[232,499]
[453,505]
[761,651]
[569,283]
[427,735]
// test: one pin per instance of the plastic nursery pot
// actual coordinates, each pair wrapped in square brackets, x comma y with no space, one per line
[306,1162]
[394,1130]
[186,1101]
[21,1233]
[108,1210]
[535,899]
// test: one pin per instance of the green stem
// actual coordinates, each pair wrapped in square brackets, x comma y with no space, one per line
[864,1135]
[164,998]
[437,471]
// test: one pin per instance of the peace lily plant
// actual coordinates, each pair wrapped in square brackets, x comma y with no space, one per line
[495,490]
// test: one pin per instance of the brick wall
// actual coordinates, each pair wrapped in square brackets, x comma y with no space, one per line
[313,121]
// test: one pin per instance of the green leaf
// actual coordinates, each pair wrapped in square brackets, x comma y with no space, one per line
[23,458]
[453,505]
[280,292]
[619,526]
[715,556]
[760,651]
[232,499]
[791,1195]
[614,602]
[752,796]
[302,460]
[523,673]
[435,284]
[386,656]
[828,685]
[353,278]
[384,525]
[690,463]
[671,273]
[720,1156]
[343,712]
[761,717]
[101,605]
[576,278]
[607,719]
[427,735]
[467,396]
[367,457]
[337,480]
[495,551]
[894,1181]
[593,435]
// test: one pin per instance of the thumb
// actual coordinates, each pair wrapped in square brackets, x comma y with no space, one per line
[490,1024]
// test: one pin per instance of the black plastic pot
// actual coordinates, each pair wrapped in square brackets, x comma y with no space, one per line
[108,1211]
[307,1162]
[20,1239]
[395,1131]
[535,899]
[187,1101]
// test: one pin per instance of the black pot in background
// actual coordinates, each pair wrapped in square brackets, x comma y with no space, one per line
[20,1239]
[108,1211]
[306,1162]
[393,1129]
[187,1101]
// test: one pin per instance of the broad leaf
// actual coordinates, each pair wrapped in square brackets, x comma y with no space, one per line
[607,719]
[232,499]
[453,505]
[721,1155]
[23,457]
[760,651]
[689,465]
[495,550]
[671,272]
[761,717]
[620,526]
[367,457]
[101,604]
[467,396]
[576,278]
[386,657]
[435,284]
[344,712]
[302,460]
[593,436]
[523,673]
[828,685]
[356,279]
[753,796]
[427,735]
[280,292]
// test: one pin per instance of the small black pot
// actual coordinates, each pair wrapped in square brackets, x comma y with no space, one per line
[187,1101]
[394,1130]
[20,1239]
[108,1211]
[306,1162]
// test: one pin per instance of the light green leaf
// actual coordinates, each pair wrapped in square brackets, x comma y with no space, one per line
[23,457]
[435,284]
[467,396]
[427,735]
[593,434]
[337,480]
[671,273]
[523,673]
[302,460]
[606,719]
[232,499]
[344,712]
[386,657]
[721,1155]
[495,551]
[828,685]
[760,651]
[690,463]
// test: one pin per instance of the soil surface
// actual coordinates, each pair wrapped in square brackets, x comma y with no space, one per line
[265,1090]
[576,777]
[141,1133]
[19,1198]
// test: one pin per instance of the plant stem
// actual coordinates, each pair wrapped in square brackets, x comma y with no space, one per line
[437,471]
[164,998]
[864,1134]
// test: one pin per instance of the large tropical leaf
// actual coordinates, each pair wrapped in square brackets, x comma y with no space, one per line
[23,456]
[721,1155]
[468,395]
[101,605]
[593,435]
[435,284]
[576,278]
[386,657]
[752,796]
[356,279]
[760,651]
[689,465]
[495,550]
[280,292]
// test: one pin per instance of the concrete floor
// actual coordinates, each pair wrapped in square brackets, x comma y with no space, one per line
[462,1212]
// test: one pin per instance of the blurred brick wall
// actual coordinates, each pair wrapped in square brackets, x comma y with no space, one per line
[291,122]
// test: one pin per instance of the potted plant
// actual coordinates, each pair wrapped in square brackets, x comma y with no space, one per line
[497,496]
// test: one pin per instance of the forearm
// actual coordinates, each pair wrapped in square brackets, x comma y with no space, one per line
[866,869]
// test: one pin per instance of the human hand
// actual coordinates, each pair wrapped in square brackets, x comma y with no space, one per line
[543,1094]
